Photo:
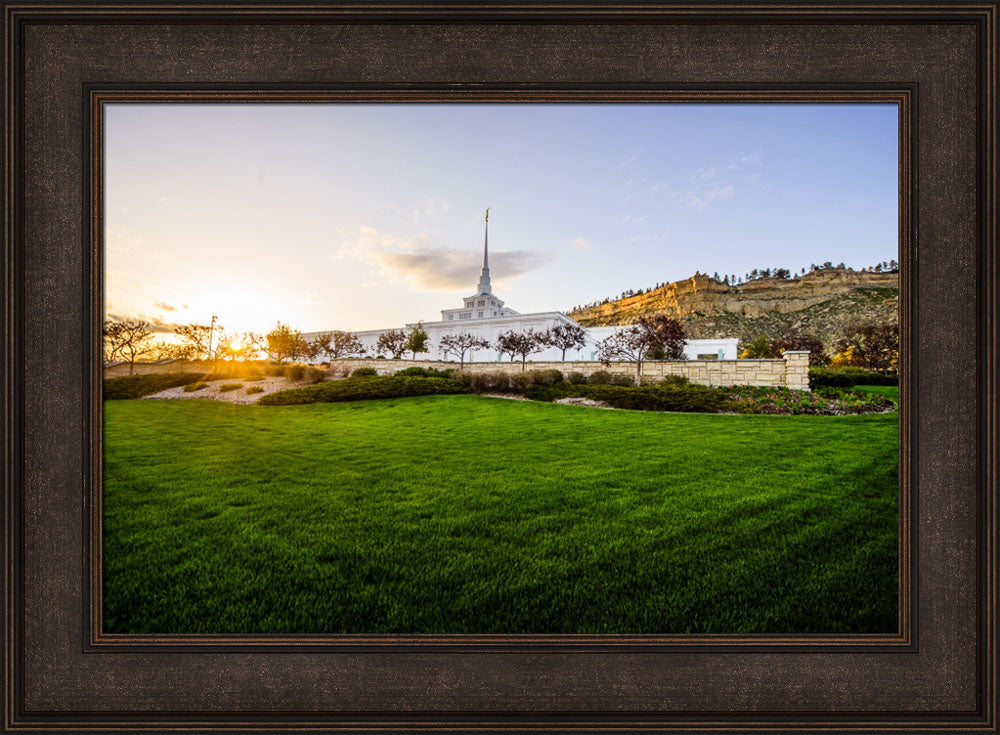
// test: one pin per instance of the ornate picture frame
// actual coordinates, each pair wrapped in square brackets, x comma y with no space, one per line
[62,63]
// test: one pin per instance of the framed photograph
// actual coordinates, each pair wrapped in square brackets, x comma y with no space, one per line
[506,367]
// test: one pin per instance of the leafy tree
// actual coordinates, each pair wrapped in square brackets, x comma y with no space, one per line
[459,344]
[394,342]
[127,339]
[285,343]
[566,337]
[521,344]
[417,339]
[810,342]
[337,344]
[758,348]
[873,345]
[637,342]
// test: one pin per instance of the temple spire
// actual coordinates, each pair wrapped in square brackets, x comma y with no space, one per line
[484,276]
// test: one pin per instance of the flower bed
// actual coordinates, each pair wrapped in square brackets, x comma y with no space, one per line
[823,401]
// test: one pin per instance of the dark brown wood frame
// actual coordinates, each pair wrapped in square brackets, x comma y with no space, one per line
[62,63]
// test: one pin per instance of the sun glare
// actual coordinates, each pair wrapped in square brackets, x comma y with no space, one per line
[242,307]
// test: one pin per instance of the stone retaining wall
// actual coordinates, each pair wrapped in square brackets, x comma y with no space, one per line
[792,370]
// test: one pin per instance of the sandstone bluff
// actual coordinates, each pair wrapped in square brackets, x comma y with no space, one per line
[822,302]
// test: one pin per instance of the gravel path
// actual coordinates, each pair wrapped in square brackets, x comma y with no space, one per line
[211,390]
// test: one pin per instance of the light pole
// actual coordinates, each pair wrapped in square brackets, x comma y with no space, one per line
[211,330]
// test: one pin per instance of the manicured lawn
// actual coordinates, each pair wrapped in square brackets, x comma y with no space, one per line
[889,391]
[469,514]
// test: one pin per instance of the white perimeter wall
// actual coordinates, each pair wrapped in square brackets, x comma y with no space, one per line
[490,329]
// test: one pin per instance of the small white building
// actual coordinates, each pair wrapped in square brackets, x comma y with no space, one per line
[484,315]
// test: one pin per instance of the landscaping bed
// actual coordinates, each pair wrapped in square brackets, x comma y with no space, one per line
[549,386]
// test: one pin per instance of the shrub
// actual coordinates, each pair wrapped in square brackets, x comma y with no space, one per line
[274,370]
[315,374]
[226,387]
[254,379]
[675,380]
[576,378]
[420,372]
[551,376]
[601,377]
[251,389]
[236,371]
[688,398]
[137,386]
[364,372]
[363,389]
[622,379]
[295,371]
[192,387]
[520,382]
[845,377]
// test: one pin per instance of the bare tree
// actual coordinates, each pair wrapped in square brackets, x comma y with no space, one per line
[459,344]
[521,344]
[659,334]
[566,337]
[128,339]
[394,342]
[226,348]
[195,340]
[254,345]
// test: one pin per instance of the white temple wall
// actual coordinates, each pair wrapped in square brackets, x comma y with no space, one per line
[490,329]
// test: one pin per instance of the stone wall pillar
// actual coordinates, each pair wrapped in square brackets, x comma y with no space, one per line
[796,369]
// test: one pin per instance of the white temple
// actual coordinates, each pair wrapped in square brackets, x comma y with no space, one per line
[484,315]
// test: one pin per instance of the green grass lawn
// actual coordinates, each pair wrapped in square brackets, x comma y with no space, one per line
[889,391]
[466,514]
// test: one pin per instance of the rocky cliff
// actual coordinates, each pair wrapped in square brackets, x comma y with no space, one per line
[822,302]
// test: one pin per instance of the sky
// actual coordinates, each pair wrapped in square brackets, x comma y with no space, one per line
[365,216]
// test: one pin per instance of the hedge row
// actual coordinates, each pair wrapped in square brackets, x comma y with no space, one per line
[362,389]
[848,376]
[421,372]
[137,386]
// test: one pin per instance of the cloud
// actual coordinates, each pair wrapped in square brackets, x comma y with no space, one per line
[719,182]
[120,239]
[163,306]
[435,268]
[702,199]
[156,325]
[627,162]
[430,208]
[581,244]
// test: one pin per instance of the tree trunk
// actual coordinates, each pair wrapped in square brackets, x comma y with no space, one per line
[131,366]
[638,373]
